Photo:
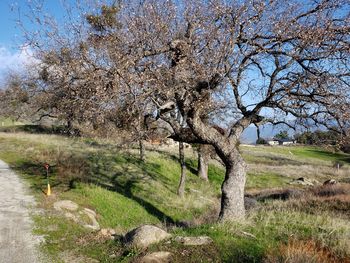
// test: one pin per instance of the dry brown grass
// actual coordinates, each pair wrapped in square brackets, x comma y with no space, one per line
[275,193]
[299,251]
[310,171]
[331,199]
[331,190]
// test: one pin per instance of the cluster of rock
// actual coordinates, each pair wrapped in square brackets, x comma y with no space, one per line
[141,237]
[146,235]
[304,181]
[311,182]
[79,215]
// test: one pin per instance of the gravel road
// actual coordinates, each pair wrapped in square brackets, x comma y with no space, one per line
[17,244]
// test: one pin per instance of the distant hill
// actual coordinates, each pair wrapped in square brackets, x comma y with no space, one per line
[249,135]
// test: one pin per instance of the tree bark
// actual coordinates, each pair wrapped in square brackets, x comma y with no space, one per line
[257,132]
[232,199]
[203,160]
[69,126]
[181,188]
[142,150]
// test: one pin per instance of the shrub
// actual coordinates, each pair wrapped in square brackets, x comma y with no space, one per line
[298,251]
[261,141]
[331,190]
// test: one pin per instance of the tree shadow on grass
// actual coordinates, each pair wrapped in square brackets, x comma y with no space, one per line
[191,165]
[36,174]
[111,170]
[126,189]
[124,180]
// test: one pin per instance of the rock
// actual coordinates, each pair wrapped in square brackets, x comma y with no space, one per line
[65,204]
[250,203]
[314,181]
[194,241]
[157,257]
[92,215]
[71,216]
[112,256]
[87,210]
[77,216]
[144,236]
[330,182]
[107,233]
[302,181]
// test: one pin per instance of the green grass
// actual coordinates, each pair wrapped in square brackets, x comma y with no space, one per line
[322,154]
[59,234]
[127,193]
[298,154]
[266,180]
[266,230]
[120,176]
[114,209]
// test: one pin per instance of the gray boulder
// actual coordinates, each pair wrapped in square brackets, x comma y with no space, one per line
[144,236]
[94,225]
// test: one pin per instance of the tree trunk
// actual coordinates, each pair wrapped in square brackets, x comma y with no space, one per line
[69,126]
[142,150]
[257,132]
[232,199]
[181,188]
[203,160]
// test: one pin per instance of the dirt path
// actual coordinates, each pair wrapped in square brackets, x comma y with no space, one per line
[17,244]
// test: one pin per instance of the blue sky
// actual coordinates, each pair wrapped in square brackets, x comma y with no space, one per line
[10,34]
[12,53]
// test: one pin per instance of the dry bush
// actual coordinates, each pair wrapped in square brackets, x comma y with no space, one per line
[72,168]
[66,165]
[298,251]
[276,194]
[331,190]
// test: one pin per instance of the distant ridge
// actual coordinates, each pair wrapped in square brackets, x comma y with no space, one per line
[249,135]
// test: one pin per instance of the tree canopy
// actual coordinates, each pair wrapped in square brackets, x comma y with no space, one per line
[206,70]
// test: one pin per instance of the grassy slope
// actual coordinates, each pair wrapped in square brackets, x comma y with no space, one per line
[126,193]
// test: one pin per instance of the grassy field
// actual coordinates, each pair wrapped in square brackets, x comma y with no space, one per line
[6,122]
[126,193]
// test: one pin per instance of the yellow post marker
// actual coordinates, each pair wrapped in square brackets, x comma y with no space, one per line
[48,192]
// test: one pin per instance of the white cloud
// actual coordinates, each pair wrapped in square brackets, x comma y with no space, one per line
[15,60]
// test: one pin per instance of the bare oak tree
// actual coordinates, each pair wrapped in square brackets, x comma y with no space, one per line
[265,60]
[222,65]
